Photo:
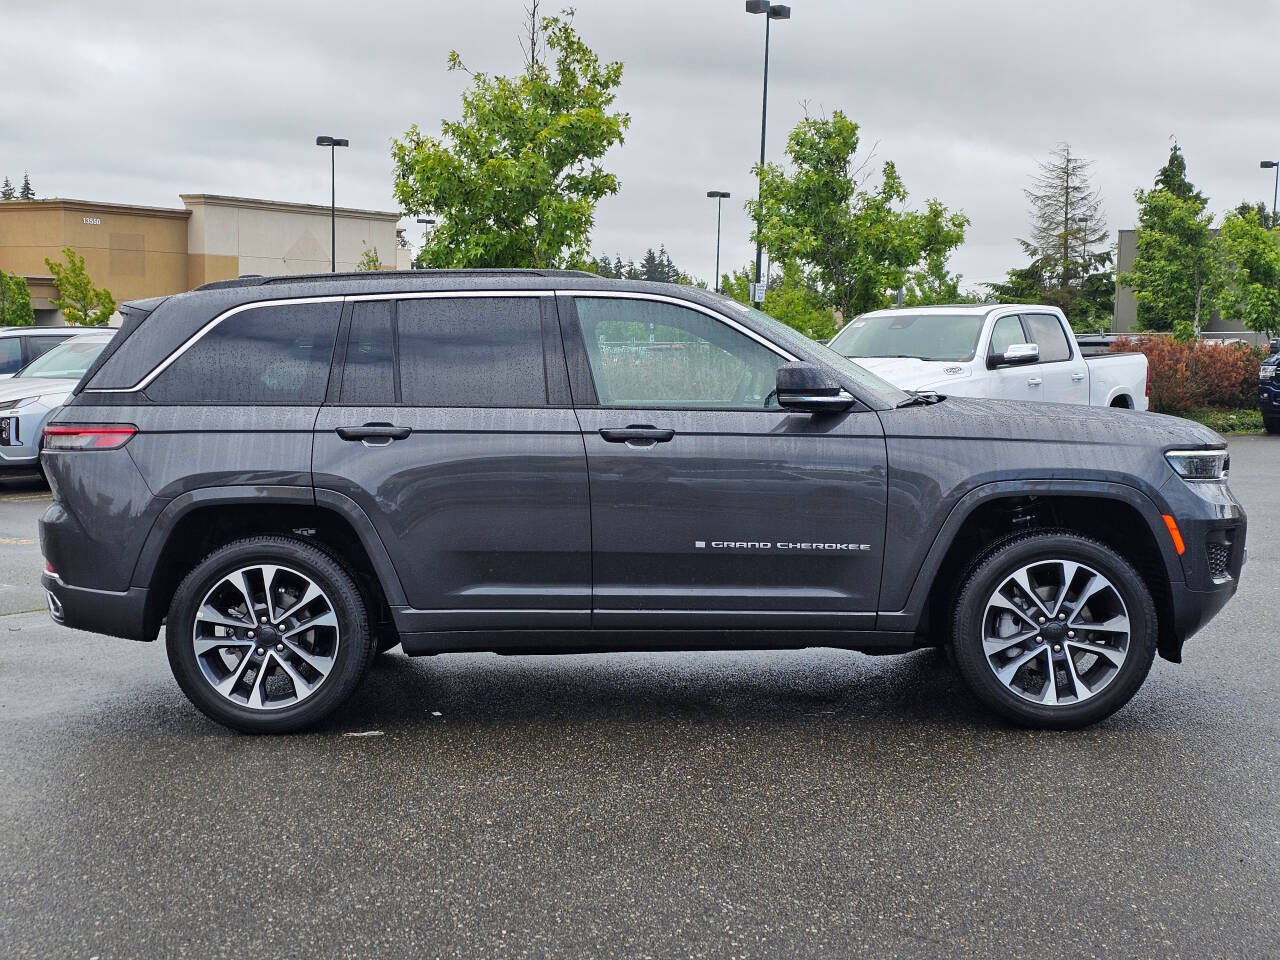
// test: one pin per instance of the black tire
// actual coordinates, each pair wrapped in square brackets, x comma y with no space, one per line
[993,568]
[355,649]
[1271,424]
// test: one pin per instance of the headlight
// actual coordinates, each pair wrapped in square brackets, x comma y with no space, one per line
[1199,464]
[15,404]
[1268,372]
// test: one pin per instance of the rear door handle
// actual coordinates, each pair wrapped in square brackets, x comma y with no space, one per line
[1034,382]
[1077,377]
[637,436]
[374,434]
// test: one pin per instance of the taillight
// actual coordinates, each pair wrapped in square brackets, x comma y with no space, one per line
[98,436]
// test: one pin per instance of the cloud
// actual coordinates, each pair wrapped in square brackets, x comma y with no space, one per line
[139,101]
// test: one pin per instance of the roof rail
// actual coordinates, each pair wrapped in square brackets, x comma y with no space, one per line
[257,280]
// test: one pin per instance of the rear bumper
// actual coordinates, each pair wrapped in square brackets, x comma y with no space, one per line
[117,614]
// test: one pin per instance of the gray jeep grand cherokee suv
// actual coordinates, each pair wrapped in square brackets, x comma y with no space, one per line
[291,475]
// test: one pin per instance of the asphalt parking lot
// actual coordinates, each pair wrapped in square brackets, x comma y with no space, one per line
[815,803]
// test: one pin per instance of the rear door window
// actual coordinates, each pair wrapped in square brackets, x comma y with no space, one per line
[1047,333]
[277,354]
[471,352]
[10,355]
[368,376]
[39,346]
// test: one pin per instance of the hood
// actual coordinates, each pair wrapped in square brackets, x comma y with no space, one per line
[911,373]
[1057,423]
[16,388]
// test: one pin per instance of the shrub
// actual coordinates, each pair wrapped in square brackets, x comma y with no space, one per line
[1183,376]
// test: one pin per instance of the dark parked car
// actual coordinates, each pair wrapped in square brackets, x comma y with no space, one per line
[1269,389]
[291,475]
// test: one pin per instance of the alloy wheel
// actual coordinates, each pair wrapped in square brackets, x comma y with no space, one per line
[1055,632]
[266,636]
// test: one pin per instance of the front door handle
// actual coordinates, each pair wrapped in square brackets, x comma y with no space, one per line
[1034,382]
[374,434]
[1077,377]
[637,436]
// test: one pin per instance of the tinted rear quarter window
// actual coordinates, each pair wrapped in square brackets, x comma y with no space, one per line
[276,354]
[38,346]
[1047,333]
[471,352]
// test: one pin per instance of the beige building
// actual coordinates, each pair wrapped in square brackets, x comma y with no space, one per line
[151,251]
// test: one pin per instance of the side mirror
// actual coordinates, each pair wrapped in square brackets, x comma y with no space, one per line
[804,387]
[1016,355]
[1275,346]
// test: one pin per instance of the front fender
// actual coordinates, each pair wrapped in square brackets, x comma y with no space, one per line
[908,617]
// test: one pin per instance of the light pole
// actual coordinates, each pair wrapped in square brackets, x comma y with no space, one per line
[771,11]
[1275,191]
[719,196]
[331,143]
[426,222]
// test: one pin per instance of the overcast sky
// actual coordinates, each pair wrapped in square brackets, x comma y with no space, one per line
[136,101]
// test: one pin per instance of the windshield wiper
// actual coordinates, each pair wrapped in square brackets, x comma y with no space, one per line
[922,398]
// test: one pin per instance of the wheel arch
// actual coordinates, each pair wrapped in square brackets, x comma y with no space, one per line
[1119,516]
[199,521]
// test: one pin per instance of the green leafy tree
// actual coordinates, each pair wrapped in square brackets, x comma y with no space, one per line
[851,244]
[83,304]
[933,284]
[1175,275]
[788,297]
[26,193]
[516,181]
[1250,255]
[1260,210]
[369,260]
[6,191]
[15,301]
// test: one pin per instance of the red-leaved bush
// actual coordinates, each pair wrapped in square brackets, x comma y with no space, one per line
[1183,376]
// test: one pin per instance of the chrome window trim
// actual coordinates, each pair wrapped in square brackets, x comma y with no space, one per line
[433,294]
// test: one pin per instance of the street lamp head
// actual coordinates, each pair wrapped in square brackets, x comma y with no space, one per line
[331,142]
[718,194]
[1268,164]
[757,6]
[426,221]
[778,12]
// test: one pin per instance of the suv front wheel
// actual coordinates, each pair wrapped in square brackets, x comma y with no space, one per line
[1054,630]
[268,635]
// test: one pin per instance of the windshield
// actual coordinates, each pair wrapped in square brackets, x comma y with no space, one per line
[924,336]
[788,337]
[68,361]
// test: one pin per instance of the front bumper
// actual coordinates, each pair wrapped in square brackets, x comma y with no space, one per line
[1269,398]
[1213,526]
[20,432]
[116,614]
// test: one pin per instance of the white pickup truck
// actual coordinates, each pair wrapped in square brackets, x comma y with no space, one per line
[1010,351]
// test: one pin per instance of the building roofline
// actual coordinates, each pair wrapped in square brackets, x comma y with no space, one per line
[217,200]
[69,203]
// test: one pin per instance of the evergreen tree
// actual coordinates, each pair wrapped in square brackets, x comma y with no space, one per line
[1067,220]
[1176,273]
[6,191]
[26,193]
[1259,209]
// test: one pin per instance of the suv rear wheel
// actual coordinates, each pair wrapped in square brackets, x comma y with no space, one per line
[268,635]
[1054,630]
[1272,424]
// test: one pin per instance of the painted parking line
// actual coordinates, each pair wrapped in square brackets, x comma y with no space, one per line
[16,541]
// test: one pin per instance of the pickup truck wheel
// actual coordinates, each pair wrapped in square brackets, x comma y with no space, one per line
[1054,630]
[1272,424]
[268,635]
